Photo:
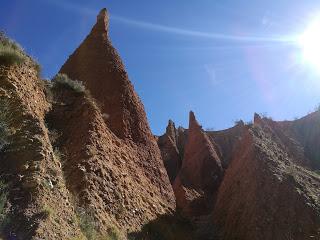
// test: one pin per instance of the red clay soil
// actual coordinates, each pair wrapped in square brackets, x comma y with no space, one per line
[249,182]
[97,64]
[169,151]
[226,140]
[112,165]
[306,131]
[122,185]
[289,143]
[265,195]
[38,204]
[200,174]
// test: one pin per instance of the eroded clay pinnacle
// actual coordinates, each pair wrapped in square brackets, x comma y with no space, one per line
[103,17]
[193,123]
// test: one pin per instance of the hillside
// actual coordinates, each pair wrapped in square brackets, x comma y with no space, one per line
[78,161]
[270,183]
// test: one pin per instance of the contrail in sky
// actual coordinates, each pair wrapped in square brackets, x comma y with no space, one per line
[175,30]
[192,33]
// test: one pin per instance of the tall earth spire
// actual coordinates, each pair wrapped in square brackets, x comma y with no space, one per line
[97,64]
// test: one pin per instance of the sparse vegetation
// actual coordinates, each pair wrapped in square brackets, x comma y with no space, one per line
[62,80]
[3,197]
[5,120]
[58,155]
[10,52]
[37,67]
[3,200]
[89,227]
[47,211]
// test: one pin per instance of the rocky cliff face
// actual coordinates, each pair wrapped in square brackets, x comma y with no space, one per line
[97,64]
[81,163]
[306,131]
[85,164]
[171,155]
[266,190]
[269,189]
[35,202]
[200,173]
[226,140]
[113,164]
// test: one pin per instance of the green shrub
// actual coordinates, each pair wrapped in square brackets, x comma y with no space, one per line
[62,80]
[47,211]
[87,224]
[112,235]
[89,227]
[10,52]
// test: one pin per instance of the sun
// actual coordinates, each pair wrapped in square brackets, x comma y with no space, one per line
[309,42]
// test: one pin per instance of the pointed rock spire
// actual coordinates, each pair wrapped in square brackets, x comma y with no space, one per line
[201,169]
[169,151]
[171,131]
[103,15]
[103,20]
[193,123]
[202,165]
[97,64]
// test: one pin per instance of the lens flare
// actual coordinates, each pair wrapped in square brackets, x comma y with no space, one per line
[310,44]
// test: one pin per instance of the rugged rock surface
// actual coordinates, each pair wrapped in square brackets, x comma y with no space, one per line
[226,140]
[170,153]
[113,166]
[97,64]
[268,191]
[306,131]
[121,185]
[285,139]
[200,174]
[265,195]
[84,165]
[37,202]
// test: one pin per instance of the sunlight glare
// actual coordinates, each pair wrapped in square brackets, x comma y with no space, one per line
[310,44]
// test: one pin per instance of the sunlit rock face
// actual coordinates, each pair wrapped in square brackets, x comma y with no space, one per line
[113,159]
[97,64]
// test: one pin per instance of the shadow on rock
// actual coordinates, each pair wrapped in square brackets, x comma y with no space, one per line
[166,227]
[171,227]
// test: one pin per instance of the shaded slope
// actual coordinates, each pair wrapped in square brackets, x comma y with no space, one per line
[200,174]
[226,140]
[37,203]
[171,156]
[306,131]
[264,195]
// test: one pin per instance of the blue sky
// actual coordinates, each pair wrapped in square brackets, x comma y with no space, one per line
[223,59]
